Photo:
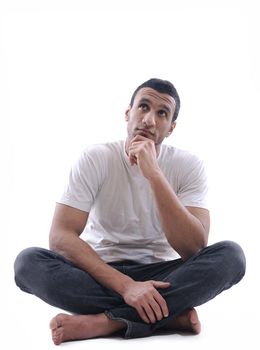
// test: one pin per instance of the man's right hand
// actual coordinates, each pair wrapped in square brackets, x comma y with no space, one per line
[146,299]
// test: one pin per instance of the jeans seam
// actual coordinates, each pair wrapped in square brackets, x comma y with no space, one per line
[128,323]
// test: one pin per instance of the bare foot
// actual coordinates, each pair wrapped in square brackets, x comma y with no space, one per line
[187,321]
[67,327]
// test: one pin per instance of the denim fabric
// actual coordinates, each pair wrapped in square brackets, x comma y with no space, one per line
[58,282]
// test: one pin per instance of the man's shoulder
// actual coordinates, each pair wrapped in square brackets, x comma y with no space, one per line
[170,152]
[100,156]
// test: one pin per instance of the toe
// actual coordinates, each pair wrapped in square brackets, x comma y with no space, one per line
[57,336]
[53,323]
[194,321]
[56,322]
[194,317]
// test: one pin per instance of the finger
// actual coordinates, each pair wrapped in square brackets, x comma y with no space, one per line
[135,145]
[150,312]
[160,284]
[139,138]
[162,303]
[132,159]
[143,314]
[157,310]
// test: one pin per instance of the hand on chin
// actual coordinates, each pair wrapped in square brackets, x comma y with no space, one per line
[145,133]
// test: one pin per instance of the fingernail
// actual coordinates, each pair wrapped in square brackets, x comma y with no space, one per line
[166,315]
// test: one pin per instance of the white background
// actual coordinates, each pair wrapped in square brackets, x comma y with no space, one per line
[67,72]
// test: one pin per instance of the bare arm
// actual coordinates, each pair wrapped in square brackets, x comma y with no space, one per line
[68,223]
[186,228]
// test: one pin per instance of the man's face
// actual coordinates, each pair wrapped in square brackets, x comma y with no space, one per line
[150,115]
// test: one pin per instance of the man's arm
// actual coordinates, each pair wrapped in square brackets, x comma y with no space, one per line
[186,228]
[68,223]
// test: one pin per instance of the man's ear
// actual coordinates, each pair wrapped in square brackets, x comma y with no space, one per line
[172,127]
[127,113]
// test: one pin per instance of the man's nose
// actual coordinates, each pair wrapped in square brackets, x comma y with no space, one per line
[149,119]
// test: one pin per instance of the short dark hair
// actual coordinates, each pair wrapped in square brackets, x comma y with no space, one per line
[164,87]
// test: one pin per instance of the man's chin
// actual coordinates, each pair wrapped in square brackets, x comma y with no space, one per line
[145,133]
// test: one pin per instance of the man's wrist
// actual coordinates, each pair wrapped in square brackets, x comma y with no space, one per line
[154,175]
[123,284]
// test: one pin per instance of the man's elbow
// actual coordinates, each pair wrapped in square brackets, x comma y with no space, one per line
[56,241]
[193,249]
[53,242]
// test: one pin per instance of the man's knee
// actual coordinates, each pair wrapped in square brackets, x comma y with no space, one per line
[25,264]
[233,259]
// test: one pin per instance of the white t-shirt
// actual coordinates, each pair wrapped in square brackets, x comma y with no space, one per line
[123,221]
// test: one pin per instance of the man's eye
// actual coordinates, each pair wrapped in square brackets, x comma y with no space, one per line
[162,113]
[143,106]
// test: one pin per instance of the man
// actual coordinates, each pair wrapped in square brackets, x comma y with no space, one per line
[144,263]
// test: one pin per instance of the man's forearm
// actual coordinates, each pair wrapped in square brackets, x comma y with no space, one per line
[134,293]
[184,231]
[81,254]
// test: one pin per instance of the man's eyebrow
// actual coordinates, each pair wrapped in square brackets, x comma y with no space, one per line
[146,100]
[166,107]
[163,106]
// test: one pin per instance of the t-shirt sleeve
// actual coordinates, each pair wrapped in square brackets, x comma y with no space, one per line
[84,181]
[193,190]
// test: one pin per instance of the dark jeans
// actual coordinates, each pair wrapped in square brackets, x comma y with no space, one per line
[58,282]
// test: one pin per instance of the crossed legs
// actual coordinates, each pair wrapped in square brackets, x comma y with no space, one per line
[69,327]
[101,312]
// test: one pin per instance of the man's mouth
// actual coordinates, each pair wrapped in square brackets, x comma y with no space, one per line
[144,132]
